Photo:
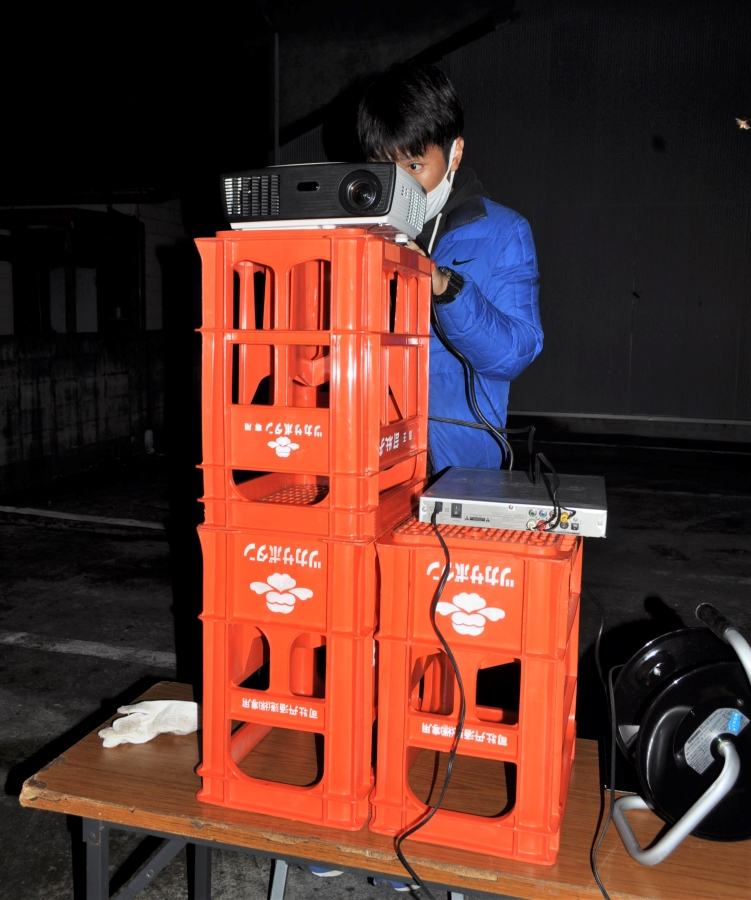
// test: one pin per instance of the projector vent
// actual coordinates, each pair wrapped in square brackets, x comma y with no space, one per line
[416,211]
[257,195]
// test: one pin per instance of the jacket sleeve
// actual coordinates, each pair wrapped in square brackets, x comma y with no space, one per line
[494,320]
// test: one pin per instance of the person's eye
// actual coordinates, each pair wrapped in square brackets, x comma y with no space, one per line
[415,167]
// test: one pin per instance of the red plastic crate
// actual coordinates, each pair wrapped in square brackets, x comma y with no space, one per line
[333,710]
[509,610]
[357,508]
[328,280]
[357,407]
[533,577]
[291,581]
[321,367]
[341,430]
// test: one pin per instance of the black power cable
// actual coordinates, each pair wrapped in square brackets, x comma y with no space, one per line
[610,697]
[496,431]
[526,430]
[469,374]
[536,462]
[462,711]
[553,485]
[611,790]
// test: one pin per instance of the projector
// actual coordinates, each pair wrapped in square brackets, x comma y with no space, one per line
[378,196]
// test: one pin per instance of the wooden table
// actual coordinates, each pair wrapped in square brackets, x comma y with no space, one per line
[150,788]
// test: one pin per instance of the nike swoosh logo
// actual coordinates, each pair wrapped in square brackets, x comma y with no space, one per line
[461,262]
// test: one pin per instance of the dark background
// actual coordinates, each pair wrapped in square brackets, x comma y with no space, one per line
[609,125]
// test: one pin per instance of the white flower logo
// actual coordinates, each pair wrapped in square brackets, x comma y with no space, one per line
[283,446]
[283,598]
[468,613]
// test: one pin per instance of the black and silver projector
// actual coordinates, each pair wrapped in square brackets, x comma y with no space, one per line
[378,196]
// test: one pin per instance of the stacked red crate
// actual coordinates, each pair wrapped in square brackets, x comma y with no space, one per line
[509,611]
[314,380]
[315,440]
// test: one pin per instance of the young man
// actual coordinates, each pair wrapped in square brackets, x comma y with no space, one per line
[485,283]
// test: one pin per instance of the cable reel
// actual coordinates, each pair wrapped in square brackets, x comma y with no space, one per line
[682,713]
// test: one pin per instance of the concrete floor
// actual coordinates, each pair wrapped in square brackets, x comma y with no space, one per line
[91,614]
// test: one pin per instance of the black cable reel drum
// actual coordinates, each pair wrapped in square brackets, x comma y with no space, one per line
[682,710]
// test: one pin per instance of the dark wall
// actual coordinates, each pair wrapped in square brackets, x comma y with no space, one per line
[611,127]
[72,401]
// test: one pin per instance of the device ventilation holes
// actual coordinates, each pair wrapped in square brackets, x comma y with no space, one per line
[233,195]
[257,195]
[416,211]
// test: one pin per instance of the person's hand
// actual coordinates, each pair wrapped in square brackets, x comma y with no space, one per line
[144,721]
[440,282]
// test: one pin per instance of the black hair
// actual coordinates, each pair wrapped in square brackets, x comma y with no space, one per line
[406,110]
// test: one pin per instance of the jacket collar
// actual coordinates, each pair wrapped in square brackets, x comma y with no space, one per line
[464,206]
[472,210]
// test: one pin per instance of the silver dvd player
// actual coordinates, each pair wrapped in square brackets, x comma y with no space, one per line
[488,498]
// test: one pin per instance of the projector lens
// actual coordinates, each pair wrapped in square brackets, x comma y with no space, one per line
[360,192]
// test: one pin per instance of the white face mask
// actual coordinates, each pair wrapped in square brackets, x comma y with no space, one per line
[436,199]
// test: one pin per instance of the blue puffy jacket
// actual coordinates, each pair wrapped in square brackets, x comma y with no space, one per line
[494,321]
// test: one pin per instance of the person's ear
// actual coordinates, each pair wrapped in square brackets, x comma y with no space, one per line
[458,154]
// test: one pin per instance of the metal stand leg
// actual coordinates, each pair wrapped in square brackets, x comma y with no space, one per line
[201,871]
[166,853]
[97,836]
[278,880]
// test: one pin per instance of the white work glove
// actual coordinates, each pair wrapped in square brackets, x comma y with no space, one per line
[144,721]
